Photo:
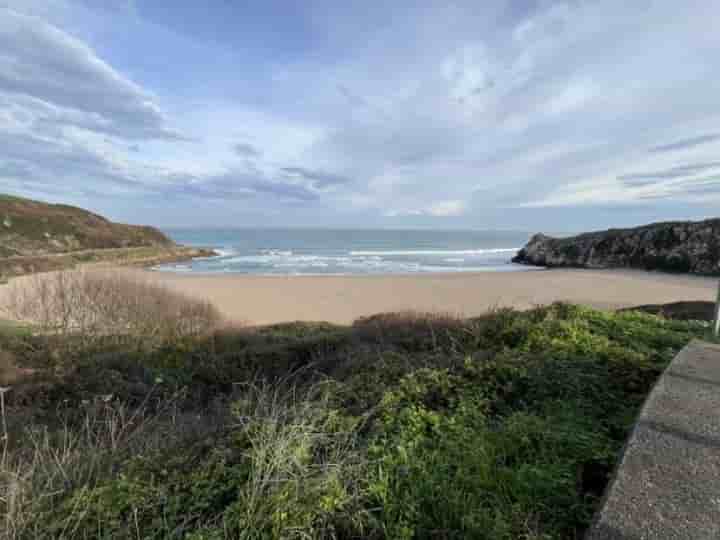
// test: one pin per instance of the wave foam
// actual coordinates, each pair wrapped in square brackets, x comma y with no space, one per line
[273,261]
[438,252]
[224,252]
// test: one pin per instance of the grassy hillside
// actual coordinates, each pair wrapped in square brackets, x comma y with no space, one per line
[41,237]
[32,228]
[402,426]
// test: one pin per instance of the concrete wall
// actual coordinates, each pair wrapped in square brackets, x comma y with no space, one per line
[667,485]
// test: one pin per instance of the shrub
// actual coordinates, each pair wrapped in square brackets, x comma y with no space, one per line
[411,330]
[304,465]
[91,304]
[43,467]
[285,465]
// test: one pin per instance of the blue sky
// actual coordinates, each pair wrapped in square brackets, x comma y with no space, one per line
[526,114]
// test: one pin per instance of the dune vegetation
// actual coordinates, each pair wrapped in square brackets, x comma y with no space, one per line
[400,426]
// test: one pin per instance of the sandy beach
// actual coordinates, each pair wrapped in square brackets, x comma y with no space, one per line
[257,300]
[341,299]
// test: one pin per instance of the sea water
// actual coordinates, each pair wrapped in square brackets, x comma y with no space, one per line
[344,251]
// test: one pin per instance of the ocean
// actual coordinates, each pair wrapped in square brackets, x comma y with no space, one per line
[344,251]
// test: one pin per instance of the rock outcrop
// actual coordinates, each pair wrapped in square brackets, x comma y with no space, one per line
[688,247]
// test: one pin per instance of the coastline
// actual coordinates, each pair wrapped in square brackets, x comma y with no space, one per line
[268,299]
[142,256]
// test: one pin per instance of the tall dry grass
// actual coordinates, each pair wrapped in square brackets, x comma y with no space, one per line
[306,471]
[40,466]
[100,303]
[306,468]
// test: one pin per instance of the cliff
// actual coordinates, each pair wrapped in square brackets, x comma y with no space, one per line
[689,247]
[33,228]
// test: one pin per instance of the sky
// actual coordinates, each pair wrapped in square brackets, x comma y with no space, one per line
[520,114]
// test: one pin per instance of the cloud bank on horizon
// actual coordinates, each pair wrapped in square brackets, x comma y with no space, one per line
[524,114]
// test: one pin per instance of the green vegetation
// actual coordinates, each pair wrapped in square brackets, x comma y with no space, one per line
[132,256]
[32,228]
[402,426]
[13,328]
[39,237]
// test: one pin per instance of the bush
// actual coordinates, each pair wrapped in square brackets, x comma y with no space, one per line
[92,304]
[44,467]
[411,330]
[447,468]
[284,465]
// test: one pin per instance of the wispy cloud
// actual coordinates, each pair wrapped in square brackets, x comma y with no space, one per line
[246,150]
[60,79]
[318,179]
[687,143]
[679,171]
[443,209]
[236,185]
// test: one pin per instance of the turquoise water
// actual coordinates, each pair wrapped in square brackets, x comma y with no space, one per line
[320,251]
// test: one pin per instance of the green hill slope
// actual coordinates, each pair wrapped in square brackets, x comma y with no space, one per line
[41,237]
[33,228]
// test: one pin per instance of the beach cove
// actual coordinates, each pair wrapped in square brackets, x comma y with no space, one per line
[255,299]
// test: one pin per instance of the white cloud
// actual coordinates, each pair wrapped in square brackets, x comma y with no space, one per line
[447,208]
[468,73]
[570,98]
[71,120]
[452,208]
[40,62]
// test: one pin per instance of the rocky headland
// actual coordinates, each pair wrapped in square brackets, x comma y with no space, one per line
[683,246]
